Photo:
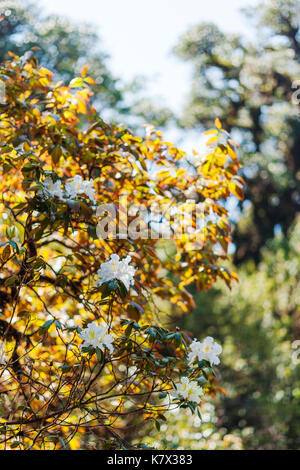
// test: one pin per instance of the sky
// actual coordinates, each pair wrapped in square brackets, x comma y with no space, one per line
[139,36]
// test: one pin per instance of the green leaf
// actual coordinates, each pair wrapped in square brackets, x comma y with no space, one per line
[177,339]
[128,330]
[58,324]
[6,253]
[65,368]
[11,280]
[113,286]
[23,313]
[56,154]
[92,232]
[62,442]
[134,310]
[44,328]
[212,371]
[100,355]
[162,417]
[121,290]
[15,444]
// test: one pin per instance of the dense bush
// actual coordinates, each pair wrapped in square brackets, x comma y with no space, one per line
[61,284]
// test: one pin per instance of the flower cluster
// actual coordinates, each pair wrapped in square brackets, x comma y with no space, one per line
[77,185]
[97,336]
[189,390]
[209,351]
[51,189]
[74,187]
[117,269]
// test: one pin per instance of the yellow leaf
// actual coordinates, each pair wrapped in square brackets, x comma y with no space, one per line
[211,131]
[236,190]
[211,140]
[218,123]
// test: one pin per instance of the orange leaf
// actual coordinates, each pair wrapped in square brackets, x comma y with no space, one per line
[218,123]
[84,70]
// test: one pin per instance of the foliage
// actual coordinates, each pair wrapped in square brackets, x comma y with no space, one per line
[55,394]
[251,86]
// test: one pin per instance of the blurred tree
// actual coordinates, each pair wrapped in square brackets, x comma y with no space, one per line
[250,86]
[63,47]
[189,432]
[260,319]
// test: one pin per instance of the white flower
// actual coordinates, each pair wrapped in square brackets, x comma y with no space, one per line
[77,185]
[88,189]
[50,188]
[195,351]
[96,335]
[189,390]
[73,186]
[2,354]
[117,269]
[209,351]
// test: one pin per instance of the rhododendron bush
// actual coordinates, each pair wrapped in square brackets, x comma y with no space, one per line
[86,354]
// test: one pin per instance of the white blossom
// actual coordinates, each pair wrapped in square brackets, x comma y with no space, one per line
[189,390]
[117,269]
[97,336]
[88,189]
[77,185]
[209,351]
[51,188]
[73,187]
[2,354]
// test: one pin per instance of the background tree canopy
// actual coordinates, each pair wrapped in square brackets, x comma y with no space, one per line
[249,85]
[65,47]
[59,44]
